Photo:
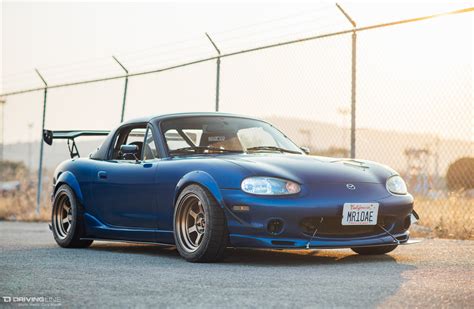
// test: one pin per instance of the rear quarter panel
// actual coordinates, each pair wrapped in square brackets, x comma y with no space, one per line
[76,173]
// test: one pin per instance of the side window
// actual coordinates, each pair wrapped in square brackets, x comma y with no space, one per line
[128,136]
[149,151]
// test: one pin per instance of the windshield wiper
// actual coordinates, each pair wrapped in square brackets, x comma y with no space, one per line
[201,149]
[272,148]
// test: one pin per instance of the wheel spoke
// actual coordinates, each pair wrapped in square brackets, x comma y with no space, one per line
[198,239]
[193,214]
[65,219]
[62,221]
[191,222]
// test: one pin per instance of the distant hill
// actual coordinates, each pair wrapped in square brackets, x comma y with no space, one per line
[387,147]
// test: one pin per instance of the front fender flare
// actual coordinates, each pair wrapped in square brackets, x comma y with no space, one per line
[201,178]
[69,179]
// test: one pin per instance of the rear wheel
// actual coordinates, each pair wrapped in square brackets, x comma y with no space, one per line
[200,229]
[374,250]
[67,224]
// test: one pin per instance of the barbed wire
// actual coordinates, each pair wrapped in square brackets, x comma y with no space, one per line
[162,48]
[229,54]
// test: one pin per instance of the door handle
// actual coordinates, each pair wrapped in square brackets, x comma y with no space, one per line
[102,175]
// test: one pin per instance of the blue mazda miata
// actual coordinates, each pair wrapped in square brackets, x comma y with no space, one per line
[207,181]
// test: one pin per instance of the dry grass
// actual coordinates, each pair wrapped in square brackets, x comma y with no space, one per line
[450,217]
[21,206]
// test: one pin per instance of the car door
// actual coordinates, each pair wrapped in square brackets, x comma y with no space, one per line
[124,189]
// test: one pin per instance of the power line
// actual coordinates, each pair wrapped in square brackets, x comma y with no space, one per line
[152,49]
[287,34]
[274,29]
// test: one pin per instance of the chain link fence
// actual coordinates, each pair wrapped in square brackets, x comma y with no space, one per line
[414,108]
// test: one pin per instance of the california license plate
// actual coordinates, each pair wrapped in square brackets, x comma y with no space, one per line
[360,213]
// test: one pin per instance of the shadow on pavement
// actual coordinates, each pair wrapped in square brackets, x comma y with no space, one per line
[249,257]
[321,278]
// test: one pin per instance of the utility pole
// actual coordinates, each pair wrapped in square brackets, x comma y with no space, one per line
[124,90]
[40,169]
[2,154]
[344,112]
[218,73]
[353,79]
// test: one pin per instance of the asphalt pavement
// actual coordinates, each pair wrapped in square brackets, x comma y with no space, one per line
[433,273]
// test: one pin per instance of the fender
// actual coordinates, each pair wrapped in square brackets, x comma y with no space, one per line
[202,178]
[69,179]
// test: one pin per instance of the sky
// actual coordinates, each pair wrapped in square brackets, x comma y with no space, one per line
[414,77]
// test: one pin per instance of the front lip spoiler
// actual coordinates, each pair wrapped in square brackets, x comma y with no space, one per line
[411,241]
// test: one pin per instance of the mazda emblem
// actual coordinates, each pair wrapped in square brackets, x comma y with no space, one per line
[350,186]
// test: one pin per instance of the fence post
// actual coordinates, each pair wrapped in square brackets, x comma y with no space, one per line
[353,81]
[40,168]
[124,90]
[218,73]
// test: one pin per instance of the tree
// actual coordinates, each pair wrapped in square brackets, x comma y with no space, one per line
[460,174]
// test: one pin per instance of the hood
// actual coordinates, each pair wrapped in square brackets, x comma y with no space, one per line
[310,169]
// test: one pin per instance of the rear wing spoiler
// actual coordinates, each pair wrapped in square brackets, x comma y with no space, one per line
[49,136]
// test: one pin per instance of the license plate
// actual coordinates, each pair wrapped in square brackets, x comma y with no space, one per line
[360,213]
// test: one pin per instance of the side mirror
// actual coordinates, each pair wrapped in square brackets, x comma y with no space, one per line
[129,151]
[305,150]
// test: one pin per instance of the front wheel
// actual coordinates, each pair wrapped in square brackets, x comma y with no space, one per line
[374,250]
[66,220]
[200,229]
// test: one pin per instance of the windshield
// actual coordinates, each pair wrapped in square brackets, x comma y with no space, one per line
[215,134]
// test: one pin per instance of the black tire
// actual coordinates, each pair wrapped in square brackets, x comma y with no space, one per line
[66,220]
[211,245]
[374,250]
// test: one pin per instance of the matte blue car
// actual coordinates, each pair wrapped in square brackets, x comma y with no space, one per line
[208,181]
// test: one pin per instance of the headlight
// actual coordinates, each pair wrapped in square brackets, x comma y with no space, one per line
[269,186]
[396,185]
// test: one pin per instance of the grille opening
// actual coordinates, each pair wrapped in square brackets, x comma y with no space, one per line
[332,227]
[283,243]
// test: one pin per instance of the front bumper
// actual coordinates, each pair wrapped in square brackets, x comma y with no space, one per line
[298,213]
[243,241]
